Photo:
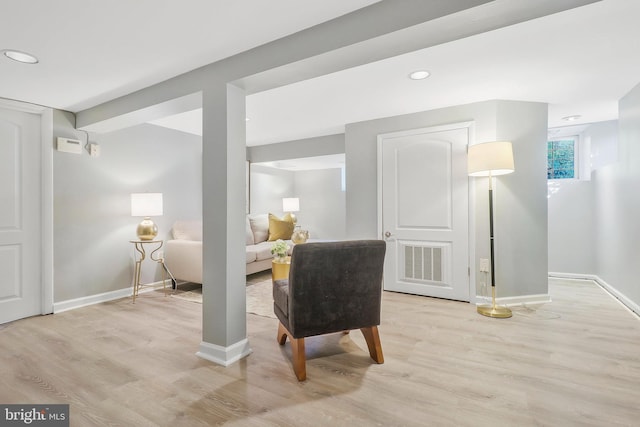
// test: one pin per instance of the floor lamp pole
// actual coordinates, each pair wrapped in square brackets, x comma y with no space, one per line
[492,310]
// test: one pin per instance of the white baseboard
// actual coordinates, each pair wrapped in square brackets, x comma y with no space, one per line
[224,356]
[59,307]
[574,276]
[622,298]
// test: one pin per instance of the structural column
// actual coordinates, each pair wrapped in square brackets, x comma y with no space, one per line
[224,327]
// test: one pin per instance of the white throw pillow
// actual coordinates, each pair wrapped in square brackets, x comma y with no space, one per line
[249,233]
[260,227]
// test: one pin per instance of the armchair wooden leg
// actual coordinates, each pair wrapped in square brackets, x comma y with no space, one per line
[373,342]
[282,334]
[297,351]
[299,359]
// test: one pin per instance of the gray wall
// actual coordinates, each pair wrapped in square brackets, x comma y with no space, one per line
[593,225]
[92,217]
[521,213]
[571,227]
[602,140]
[521,230]
[322,201]
[268,186]
[617,204]
[572,204]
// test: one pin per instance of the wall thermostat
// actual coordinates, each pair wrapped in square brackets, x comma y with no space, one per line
[67,145]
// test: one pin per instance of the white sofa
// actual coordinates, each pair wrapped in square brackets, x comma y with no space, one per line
[183,253]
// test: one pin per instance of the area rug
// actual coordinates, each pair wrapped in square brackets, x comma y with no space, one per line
[260,299]
[189,292]
[259,296]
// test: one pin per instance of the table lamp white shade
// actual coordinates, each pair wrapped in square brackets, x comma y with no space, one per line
[146,205]
[490,158]
[290,204]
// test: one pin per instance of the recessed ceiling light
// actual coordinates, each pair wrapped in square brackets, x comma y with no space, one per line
[572,118]
[419,75]
[19,56]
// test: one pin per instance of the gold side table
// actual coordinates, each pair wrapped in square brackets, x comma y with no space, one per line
[139,246]
[280,269]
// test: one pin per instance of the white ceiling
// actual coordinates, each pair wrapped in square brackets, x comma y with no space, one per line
[92,51]
[580,61]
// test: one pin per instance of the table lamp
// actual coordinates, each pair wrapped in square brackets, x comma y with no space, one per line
[146,205]
[491,159]
[291,205]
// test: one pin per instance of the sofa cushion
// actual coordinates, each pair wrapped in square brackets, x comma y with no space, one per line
[261,250]
[280,228]
[251,254]
[187,230]
[248,233]
[264,251]
[260,227]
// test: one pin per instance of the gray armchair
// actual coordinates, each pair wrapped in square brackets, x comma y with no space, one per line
[332,287]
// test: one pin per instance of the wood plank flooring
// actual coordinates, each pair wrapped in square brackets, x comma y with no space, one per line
[573,362]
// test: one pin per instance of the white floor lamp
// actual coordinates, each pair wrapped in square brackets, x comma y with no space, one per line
[491,159]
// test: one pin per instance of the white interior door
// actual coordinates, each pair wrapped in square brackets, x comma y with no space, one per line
[425,211]
[20,215]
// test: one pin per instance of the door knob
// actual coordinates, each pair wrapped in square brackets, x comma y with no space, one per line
[387,234]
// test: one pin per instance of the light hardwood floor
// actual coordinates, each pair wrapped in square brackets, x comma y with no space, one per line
[574,362]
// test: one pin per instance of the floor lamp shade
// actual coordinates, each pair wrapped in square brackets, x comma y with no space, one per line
[146,205]
[490,159]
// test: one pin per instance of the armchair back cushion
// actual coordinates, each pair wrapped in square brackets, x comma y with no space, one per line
[332,287]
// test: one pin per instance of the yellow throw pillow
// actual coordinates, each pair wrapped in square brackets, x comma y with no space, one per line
[280,228]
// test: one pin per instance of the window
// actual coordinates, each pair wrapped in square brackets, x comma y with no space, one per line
[562,154]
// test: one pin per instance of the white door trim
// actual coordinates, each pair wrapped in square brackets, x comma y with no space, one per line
[470,125]
[46,201]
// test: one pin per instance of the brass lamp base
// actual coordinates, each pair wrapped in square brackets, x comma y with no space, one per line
[494,310]
[147,230]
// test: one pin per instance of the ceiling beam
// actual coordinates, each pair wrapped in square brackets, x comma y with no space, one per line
[382,30]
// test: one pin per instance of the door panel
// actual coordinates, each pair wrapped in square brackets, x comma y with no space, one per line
[419,205]
[20,236]
[9,266]
[425,212]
